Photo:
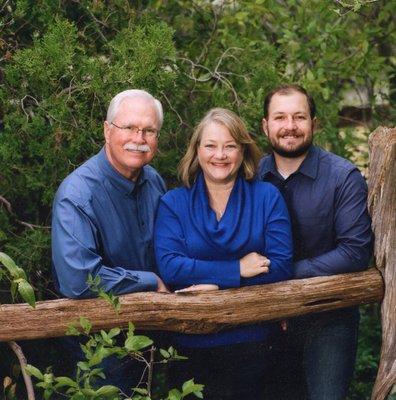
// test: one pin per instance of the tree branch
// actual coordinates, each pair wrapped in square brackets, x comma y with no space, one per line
[22,361]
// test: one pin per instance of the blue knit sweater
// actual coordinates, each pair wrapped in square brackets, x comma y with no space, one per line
[192,247]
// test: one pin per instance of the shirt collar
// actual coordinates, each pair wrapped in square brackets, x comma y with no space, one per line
[308,167]
[119,181]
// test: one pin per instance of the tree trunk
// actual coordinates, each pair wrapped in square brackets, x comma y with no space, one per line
[195,313]
[382,204]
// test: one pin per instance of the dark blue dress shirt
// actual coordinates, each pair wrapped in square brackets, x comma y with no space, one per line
[102,224]
[327,202]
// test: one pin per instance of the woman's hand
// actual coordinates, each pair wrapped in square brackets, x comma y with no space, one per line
[253,264]
[203,287]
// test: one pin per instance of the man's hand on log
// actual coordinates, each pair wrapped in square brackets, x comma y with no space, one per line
[161,287]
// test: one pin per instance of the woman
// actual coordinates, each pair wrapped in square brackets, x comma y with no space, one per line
[223,229]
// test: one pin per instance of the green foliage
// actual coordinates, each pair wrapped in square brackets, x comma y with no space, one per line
[94,286]
[18,280]
[98,346]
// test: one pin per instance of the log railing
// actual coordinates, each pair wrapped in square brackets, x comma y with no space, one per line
[194,313]
[213,311]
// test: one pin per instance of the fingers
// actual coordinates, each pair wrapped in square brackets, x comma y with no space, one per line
[198,288]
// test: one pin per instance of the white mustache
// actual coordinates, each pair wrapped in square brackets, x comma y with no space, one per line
[144,148]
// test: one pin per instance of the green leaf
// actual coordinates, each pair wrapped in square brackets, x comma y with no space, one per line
[191,387]
[72,331]
[65,381]
[9,263]
[20,273]
[78,396]
[85,324]
[131,328]
[83,365]
[107,390]
[164,353]
[27,293]
[174,394]
[113,332]
[140,390]
[47,393]
[88,392]
[138,342]
[33,371]
[14,289]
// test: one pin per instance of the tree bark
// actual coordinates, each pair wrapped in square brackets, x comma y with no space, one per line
[195,312]
[382,204]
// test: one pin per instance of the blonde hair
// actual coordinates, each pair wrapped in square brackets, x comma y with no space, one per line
[189,166]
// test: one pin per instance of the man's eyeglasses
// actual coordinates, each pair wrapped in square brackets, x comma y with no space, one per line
[150,133]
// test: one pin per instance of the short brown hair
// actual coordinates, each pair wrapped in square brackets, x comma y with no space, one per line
[189,166]
[288,89]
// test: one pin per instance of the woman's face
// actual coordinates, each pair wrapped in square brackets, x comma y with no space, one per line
[219,155]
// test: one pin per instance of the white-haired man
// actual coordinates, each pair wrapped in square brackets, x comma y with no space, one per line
[103,212]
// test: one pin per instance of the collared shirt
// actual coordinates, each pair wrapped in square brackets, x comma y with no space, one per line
[327,202]
[102,224]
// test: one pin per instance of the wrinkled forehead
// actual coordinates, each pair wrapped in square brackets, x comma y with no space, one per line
[289,103]
[137,108]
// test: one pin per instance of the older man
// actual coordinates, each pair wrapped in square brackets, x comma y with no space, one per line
[103,212]
[326,196]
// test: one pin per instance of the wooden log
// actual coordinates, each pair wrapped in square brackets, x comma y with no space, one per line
[195,313]
[382,204]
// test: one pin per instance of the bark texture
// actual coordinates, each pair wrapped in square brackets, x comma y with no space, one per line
[382,205]
[195,312]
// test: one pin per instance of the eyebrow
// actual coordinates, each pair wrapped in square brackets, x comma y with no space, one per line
[285,112]
[215,141]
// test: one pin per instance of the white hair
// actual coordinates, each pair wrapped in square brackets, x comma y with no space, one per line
[129,94]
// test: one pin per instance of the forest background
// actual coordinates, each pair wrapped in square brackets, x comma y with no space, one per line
[61,61]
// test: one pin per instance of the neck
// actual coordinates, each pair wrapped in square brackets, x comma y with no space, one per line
[219,187]
[287,166]
[218,194]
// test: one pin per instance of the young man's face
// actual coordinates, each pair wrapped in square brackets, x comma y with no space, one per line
[289,126]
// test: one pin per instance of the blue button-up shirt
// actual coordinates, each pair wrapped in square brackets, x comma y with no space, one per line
[327,201]
[102,225]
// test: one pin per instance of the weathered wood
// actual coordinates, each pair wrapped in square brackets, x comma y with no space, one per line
[382,204]
[195,313]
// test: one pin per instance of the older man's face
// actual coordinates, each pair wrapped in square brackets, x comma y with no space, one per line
[126,151]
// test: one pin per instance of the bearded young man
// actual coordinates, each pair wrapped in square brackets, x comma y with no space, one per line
[327,199]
